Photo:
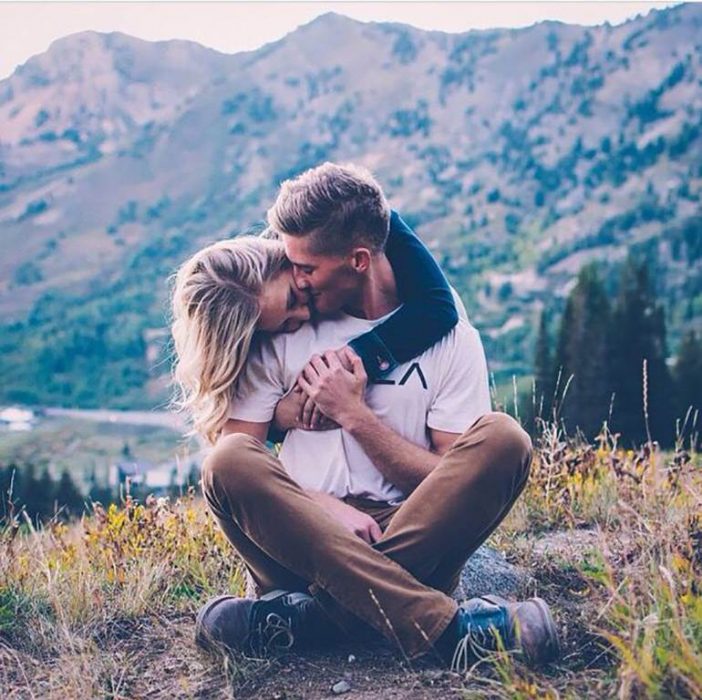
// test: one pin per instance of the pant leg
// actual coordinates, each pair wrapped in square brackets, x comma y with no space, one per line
[246,485]
[454,510]
[264,571]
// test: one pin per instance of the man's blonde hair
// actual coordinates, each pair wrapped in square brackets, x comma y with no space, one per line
[337,206]
[215,309]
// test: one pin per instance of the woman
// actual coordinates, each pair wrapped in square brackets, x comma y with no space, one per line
[228,292]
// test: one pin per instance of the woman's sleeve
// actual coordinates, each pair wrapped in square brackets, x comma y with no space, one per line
[428,312]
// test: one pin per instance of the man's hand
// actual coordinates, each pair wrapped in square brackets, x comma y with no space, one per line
[297,410]
[359,523]
[339,392]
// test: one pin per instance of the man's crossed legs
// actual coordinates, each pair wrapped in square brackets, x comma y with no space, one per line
[399,586]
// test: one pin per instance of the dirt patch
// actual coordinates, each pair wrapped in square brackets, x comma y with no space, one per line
[373,671]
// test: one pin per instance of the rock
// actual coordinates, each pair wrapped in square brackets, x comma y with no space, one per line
[433,677]
[487,571]
[341,687]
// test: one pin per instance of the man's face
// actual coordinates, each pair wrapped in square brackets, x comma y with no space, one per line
[330,280]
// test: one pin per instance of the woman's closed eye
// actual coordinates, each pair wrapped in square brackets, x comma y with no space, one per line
[297,310]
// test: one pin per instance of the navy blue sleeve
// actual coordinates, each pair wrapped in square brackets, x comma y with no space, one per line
[428,312]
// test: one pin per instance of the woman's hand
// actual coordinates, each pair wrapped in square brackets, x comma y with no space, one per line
[297,410]
[312,418]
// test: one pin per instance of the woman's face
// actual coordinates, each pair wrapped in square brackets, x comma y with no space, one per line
[284,308]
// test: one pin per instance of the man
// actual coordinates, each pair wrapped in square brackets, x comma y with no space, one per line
[376,519]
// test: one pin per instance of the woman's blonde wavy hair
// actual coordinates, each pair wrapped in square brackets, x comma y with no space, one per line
[215,310]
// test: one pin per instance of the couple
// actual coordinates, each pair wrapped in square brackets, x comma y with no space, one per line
[339,330]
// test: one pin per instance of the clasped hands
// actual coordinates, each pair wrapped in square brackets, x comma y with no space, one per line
[328,393]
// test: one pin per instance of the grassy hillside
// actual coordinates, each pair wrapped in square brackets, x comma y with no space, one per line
[105,607]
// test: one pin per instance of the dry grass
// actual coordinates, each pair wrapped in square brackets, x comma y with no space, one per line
[631,598]
[105,607]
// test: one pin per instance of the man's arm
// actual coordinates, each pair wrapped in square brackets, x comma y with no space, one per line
[339,394]
[401,462]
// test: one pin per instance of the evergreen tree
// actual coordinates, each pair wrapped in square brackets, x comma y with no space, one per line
[638,328]
[174,486]
[543,370]
[583,352]
[27,489]
[194,476]
[7,484]
[43,498]
[127,455]
[98,492]
[67,495]
[688,375]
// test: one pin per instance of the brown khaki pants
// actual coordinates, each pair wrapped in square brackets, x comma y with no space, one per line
[401,584]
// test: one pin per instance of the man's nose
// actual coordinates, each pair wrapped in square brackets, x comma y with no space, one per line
[301,281]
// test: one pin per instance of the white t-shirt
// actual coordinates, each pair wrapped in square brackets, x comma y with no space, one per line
[445,388]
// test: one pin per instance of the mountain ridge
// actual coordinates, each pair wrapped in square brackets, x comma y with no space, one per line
[517,154]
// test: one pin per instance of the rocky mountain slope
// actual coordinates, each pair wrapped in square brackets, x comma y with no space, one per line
[517,154]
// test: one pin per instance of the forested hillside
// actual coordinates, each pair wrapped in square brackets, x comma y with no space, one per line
[518,155]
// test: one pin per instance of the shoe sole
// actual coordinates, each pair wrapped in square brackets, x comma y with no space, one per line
[552,649]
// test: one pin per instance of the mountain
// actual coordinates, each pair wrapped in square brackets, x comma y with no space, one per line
[518,155]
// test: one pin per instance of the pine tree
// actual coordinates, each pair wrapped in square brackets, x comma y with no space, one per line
[44,497]
[688,375]
[27,489]
[6,487]
[98,492]
[67,495]
[194,476]
[543,370]
[583,352]
[638,328]
[127,455]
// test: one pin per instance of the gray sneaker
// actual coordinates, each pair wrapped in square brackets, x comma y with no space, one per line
[277,621]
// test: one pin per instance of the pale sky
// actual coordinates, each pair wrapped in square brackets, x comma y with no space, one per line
[27,28]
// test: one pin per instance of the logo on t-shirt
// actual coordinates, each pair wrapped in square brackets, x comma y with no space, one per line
[413,369]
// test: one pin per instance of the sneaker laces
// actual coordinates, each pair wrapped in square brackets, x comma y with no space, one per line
[476,643]
[278,629]
[485,625]
[274,632]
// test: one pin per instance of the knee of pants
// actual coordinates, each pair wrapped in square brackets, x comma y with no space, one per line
[232,464]
[510,444]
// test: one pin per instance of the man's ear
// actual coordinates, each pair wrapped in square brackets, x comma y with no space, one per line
[360,259]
